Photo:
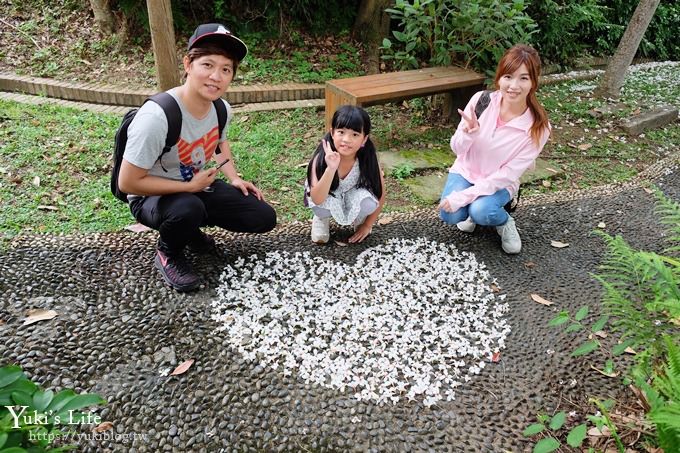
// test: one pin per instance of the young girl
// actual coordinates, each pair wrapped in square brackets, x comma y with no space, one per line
[174,192]
[344,180]
[494,150]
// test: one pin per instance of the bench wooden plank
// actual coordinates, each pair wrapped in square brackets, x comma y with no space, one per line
[419,75]
[386,87]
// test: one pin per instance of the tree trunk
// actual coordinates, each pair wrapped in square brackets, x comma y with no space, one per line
[103,16]
[612,81]
[163,40]
[370,27]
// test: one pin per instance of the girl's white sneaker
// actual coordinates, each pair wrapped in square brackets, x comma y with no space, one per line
[320,230]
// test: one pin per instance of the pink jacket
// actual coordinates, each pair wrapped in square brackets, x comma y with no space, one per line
[493,158]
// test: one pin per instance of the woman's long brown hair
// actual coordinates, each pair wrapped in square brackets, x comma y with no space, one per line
[513,58]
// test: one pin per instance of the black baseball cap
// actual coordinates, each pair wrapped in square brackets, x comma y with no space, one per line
[220,35]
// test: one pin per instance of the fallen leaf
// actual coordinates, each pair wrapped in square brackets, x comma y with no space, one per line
[551,169]
[495,288]
[594,432]
[585,146]
[47,207]
[496,356]
[529,264]
[304,164]
[39,315]
[385,220]
[243,119]
[137,228]
[648,190]
[104,426]
[601,225]
[36,181]
[612,374]
[630,350]
[541,300]
[601,334]
[546,183]
[341,244]
[284,189]
[558,244]
[182,368]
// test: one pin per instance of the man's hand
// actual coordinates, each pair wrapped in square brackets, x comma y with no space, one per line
[202,179]
[246,187]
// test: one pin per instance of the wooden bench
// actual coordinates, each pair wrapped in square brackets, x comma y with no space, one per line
[458,84]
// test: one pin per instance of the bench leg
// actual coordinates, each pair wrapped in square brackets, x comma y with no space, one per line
[458,99]
[333,101]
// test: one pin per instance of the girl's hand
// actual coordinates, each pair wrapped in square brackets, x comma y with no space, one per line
[332,158]
[471,124]
[361,233]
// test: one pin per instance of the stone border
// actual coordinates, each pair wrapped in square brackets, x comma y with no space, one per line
[121,110]
[95,93]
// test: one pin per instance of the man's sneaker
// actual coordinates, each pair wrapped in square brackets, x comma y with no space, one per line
[467,225]
[321,230]
[510,240]
[176,271]
[202,244]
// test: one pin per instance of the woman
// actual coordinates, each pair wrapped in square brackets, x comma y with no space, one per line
[494,150]
[174,192]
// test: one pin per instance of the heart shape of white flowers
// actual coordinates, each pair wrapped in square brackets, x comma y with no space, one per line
[411,317]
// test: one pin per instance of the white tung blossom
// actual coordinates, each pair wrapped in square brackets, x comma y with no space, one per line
[411,318]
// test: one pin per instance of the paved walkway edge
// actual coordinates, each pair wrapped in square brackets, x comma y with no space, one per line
[95,93]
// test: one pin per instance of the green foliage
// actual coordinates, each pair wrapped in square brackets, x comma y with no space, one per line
[642,292]
[443,32]
[582,22]
[38,416]
[551,431]
[571,28]
[663,396]
[402,171]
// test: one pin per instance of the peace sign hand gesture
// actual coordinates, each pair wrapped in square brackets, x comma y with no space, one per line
[471,124]
[332,158]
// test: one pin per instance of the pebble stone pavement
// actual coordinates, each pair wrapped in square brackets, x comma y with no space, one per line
[118,325]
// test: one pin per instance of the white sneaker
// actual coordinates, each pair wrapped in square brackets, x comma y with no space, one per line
[510,240]
[467,225]
[320,230]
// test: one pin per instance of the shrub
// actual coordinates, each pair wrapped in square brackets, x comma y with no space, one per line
[37,416]
[443,32]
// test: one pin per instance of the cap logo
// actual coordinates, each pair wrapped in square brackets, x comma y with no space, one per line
[221,29]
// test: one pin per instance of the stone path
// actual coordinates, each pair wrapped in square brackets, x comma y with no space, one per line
[119,328]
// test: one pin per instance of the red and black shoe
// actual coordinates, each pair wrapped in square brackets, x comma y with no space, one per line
[176,271]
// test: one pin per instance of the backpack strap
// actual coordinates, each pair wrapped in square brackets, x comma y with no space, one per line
[483,102]
[221,110]
[173,115]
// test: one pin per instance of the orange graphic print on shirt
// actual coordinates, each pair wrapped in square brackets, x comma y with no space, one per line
[194,155]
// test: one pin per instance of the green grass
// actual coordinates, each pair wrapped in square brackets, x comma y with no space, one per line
[70,152]
[55,170]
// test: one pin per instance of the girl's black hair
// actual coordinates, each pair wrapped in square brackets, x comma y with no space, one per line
[355,118]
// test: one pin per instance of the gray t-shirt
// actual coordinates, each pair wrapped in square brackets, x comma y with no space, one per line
[197,141]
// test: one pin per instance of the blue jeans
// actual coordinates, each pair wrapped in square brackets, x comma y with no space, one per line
[485,210]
